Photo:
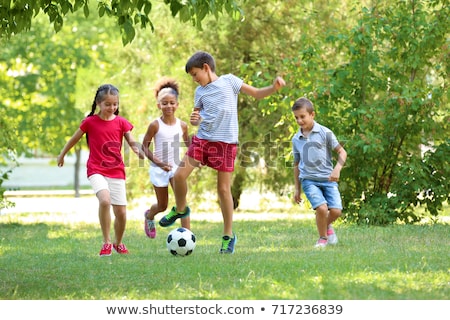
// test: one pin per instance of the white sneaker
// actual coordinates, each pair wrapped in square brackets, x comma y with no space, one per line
[331,235]
[321,243]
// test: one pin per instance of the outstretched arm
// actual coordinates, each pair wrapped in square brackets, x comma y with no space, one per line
[72,141]
[260,93]
[134,145]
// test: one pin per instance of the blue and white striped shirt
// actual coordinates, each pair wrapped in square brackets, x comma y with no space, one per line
[218,108]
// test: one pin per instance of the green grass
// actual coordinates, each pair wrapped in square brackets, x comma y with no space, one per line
[273,260]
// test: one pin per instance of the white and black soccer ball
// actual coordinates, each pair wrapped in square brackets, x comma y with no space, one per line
[181,242]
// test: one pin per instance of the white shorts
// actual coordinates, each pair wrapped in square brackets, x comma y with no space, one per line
[160,178]
[116,188]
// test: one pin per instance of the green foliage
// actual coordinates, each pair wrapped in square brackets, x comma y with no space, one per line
[8,143]
[377,74]
[274,259]
[39,90]
[17,15]
[396,107]
[424,183]
[381,87]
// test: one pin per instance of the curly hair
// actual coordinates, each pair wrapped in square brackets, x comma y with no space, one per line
[165,86]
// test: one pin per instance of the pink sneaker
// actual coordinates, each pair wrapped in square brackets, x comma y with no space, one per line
[106,250]
[149,226]
[321,243]
[331,235]
[121,249]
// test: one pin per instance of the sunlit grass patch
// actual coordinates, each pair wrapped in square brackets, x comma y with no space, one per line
[274,259]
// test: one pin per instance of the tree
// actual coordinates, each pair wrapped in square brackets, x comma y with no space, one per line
[378,75]
[49,81]
[389,90]
[268,45]
[17,15]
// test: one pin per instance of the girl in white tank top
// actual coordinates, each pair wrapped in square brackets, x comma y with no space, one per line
[167,132]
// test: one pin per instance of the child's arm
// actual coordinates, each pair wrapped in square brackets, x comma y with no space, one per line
[298,187]
[260,93]
[72,141]
[195,117]
[151,131]
[134,145]
[186,138]
[342,157]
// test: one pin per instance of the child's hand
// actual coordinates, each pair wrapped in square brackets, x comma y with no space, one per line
[335,174]
[60,161]
[278,83]
[138,151]
[165,167]
[297,197]
[195,117]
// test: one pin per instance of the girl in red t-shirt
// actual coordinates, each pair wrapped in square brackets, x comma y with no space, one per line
[105,167]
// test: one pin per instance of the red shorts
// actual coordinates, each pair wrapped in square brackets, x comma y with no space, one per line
[214,154]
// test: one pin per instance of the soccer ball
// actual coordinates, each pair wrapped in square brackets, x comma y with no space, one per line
[181,242]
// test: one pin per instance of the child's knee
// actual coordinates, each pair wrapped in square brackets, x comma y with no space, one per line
[336,213]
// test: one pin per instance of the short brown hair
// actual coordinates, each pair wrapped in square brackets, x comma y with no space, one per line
[303,103]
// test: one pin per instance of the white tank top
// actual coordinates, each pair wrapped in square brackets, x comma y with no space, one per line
[167,143]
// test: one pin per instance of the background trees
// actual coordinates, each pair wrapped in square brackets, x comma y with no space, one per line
[377,73]
[17,16]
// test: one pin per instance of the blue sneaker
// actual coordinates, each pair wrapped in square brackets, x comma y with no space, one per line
[170,218]
[228,244]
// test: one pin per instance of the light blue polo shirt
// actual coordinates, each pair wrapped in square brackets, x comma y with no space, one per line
[314,153]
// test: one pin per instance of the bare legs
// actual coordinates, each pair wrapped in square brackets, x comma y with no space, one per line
[325,217]
[162,199]
[104,214]
[226,201]
[223,190]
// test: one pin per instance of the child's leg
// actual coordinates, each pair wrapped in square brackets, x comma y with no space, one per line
[104,214]
[162,198]
[333,215]
[226,200]
[120,221]
[179,181]
[322,220]
[186,221]
[333,197]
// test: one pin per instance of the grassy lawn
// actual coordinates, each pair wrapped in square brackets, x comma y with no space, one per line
[274,259]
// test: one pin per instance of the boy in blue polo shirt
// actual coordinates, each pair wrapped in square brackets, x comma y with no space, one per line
[313,169]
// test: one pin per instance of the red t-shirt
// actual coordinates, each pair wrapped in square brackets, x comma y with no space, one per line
[105,144]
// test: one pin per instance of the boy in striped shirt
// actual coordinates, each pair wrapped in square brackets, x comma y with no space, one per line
[215,144]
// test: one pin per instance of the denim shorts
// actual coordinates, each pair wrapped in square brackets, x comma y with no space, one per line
[320,192]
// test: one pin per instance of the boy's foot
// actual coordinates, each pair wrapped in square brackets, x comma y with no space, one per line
[106,250]
[150,228]
[121,249]
[331,235]
[228,244]
[172,216]
[321,243]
